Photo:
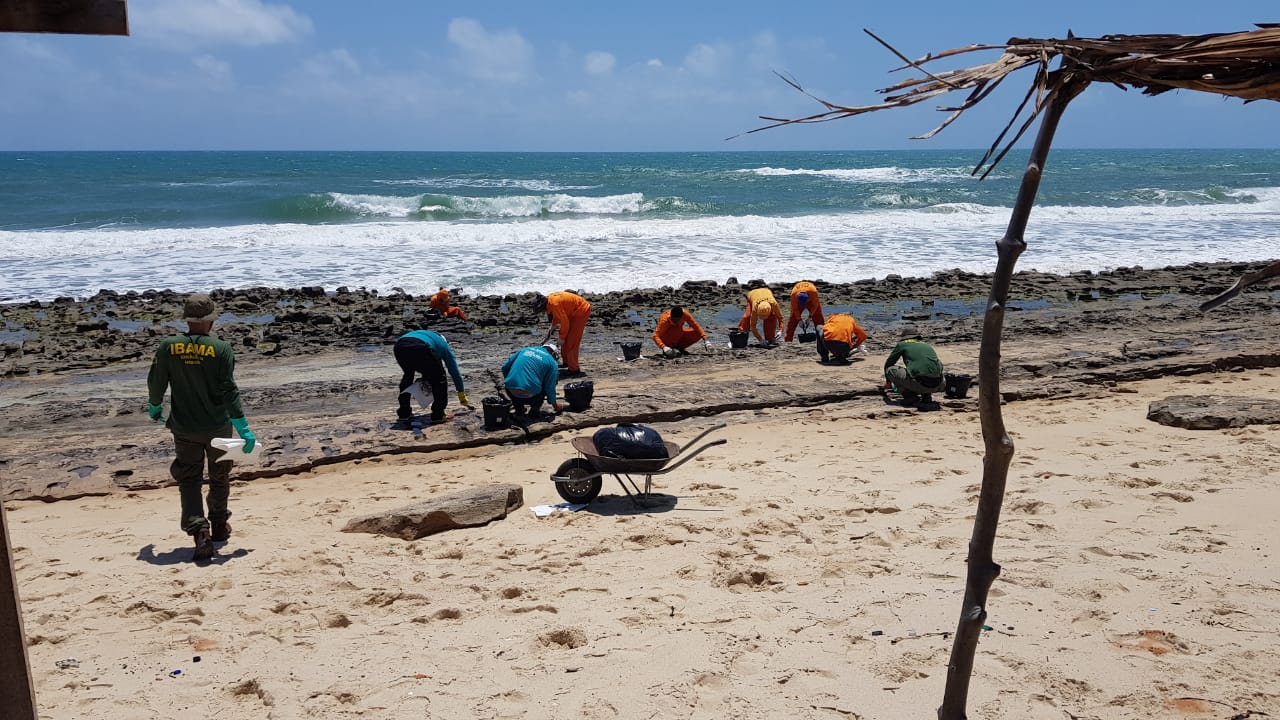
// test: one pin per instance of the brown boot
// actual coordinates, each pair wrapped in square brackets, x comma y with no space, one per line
[204,545]
[222,531]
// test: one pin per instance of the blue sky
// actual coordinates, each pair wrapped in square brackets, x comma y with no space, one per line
[571,76]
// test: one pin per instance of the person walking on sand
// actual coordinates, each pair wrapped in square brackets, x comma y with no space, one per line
[529,376]
[840,336]
[427,353]
[672,336]
[204,404]
[804,296]
[762,308]
[920,375]
[440,303]
[569,313]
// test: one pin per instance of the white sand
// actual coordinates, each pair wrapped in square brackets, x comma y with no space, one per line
[1140,580]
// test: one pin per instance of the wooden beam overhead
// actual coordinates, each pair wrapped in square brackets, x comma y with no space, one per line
[73,17]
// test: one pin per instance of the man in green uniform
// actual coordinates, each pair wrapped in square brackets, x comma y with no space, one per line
[921,371]
[205,404]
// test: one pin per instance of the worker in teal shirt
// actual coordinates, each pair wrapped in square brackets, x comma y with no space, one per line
[530,376]
[427,353]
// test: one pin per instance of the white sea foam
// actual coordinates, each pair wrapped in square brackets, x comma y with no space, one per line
[867,175]
[503,206]
[451,183]
[599,252]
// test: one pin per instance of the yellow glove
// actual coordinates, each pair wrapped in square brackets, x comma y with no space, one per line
[462,398]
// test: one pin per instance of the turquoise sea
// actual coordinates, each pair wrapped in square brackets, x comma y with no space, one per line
[73,222]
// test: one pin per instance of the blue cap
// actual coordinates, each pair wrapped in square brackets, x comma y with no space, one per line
[803,298]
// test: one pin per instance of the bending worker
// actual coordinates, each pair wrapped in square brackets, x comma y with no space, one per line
[568,312]
[804,296]
[428,353]
[440,303]
[529,376]
[762,307]
[921,373]
[840,336]
[671,334]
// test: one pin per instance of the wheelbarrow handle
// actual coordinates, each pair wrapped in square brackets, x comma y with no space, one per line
[686,457]
[704,433]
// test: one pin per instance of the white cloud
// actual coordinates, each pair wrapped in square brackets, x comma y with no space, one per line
[654,63]
[599,63]
[705,60]
[334,62]
[504,57]
[183,23]
[764,51]
[217,71]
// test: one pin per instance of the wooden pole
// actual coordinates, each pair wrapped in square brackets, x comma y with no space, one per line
[983,570]
[17,695]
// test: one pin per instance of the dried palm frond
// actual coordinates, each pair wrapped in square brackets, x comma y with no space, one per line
[1243,65]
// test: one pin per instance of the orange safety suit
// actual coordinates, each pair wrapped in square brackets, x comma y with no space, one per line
[841,327]
[813,305]
[440,302]
[762,306]
[569,313]
[675,334]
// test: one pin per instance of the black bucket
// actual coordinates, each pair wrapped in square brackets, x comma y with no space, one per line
[957,386]
[579,394]
[807,332]
[738,338]
[630,350]
[497,412]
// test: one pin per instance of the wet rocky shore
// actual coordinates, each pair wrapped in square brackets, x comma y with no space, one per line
[318,380]
[110,328]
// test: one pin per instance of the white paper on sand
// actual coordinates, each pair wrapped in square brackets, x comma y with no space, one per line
[234,448]
[545,510]
[421,393]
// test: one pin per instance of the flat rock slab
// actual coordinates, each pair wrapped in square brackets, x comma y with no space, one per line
[449,511]
[1213,412]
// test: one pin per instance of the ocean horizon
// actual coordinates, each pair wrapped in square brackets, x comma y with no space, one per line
[72,223]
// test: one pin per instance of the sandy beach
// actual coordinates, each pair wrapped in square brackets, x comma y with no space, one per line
[811,567]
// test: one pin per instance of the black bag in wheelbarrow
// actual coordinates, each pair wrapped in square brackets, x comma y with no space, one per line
[630,441]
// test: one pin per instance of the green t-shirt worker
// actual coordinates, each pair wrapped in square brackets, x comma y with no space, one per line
[920,373]
[205,404]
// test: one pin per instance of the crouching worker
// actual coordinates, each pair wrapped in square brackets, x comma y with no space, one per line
[529,377]
[804,298]
[440,303]
[762,309]
[840,337]
[427,353]
[920,375]
[672,335]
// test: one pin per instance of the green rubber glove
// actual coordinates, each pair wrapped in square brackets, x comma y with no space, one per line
[156,412]
[242,429]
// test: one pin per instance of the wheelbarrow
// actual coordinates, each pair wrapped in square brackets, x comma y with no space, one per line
[578,480]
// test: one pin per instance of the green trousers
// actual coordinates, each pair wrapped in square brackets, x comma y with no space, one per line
[193,451]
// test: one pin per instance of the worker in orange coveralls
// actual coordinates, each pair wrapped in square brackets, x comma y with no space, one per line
[840,336]
[440,303]
[672,335]
[804,296]
[762,307]
[568,313]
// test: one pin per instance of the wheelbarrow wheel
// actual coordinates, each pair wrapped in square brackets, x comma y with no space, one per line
[577,489]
